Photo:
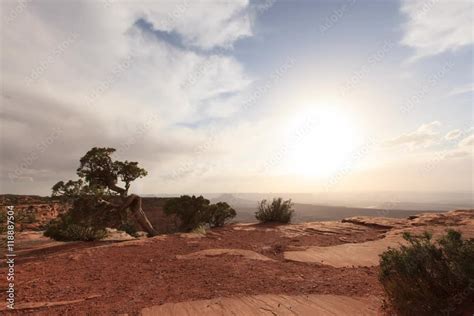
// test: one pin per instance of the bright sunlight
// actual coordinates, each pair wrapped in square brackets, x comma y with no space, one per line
[323,140]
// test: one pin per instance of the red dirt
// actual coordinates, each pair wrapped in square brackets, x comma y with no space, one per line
[133,275]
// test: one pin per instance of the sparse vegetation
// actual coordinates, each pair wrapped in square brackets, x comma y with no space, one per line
[64,228]
[429,278]
[199,230]
[278,211]
[98,202]
[193,212]
[190,210]
[219,214]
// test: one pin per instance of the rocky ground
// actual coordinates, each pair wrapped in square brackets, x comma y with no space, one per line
[324,268]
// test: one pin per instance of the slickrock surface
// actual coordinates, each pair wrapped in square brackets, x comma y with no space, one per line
[367,253]
[284,305]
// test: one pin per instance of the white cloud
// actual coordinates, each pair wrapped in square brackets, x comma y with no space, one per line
[424,136]
[467,142]
[106,84]
[463,149]
[468,88]
[453,134]
[437,26]
[204,24]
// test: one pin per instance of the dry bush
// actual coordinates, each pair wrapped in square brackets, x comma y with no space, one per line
[278,211]
[429,278]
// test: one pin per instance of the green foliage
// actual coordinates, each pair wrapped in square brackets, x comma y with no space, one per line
[128,172]
[64,228]
[68,189]
[91,194]
[100,174]
[97,167]
[219,214]
[85,221]
[428,278]
[278,211]
[195,211]
[190,210]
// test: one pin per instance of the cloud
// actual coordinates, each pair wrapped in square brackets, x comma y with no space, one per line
[453,134]
[467,142]
[457,154]
[463,149]
[203,24]
[434,26]
[91,71]
[424,136]
[468,88]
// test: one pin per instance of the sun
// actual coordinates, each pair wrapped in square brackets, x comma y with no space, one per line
[324,144]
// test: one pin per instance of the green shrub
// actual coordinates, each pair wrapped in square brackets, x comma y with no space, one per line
[428,278]
[219,214]
[86,221]
[194,212]
[64,228]
[278,211]
[190,210]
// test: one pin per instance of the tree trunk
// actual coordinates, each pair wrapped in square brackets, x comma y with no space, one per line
[112,186]
[134,202]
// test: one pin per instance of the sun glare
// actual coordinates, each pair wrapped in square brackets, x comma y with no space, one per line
[325,144]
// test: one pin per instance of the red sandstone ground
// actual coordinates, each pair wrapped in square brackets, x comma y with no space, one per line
[104,278]
[134,275]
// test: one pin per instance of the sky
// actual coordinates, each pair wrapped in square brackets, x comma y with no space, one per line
[240,96]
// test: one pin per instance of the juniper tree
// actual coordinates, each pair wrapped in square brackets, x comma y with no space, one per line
[101,192]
